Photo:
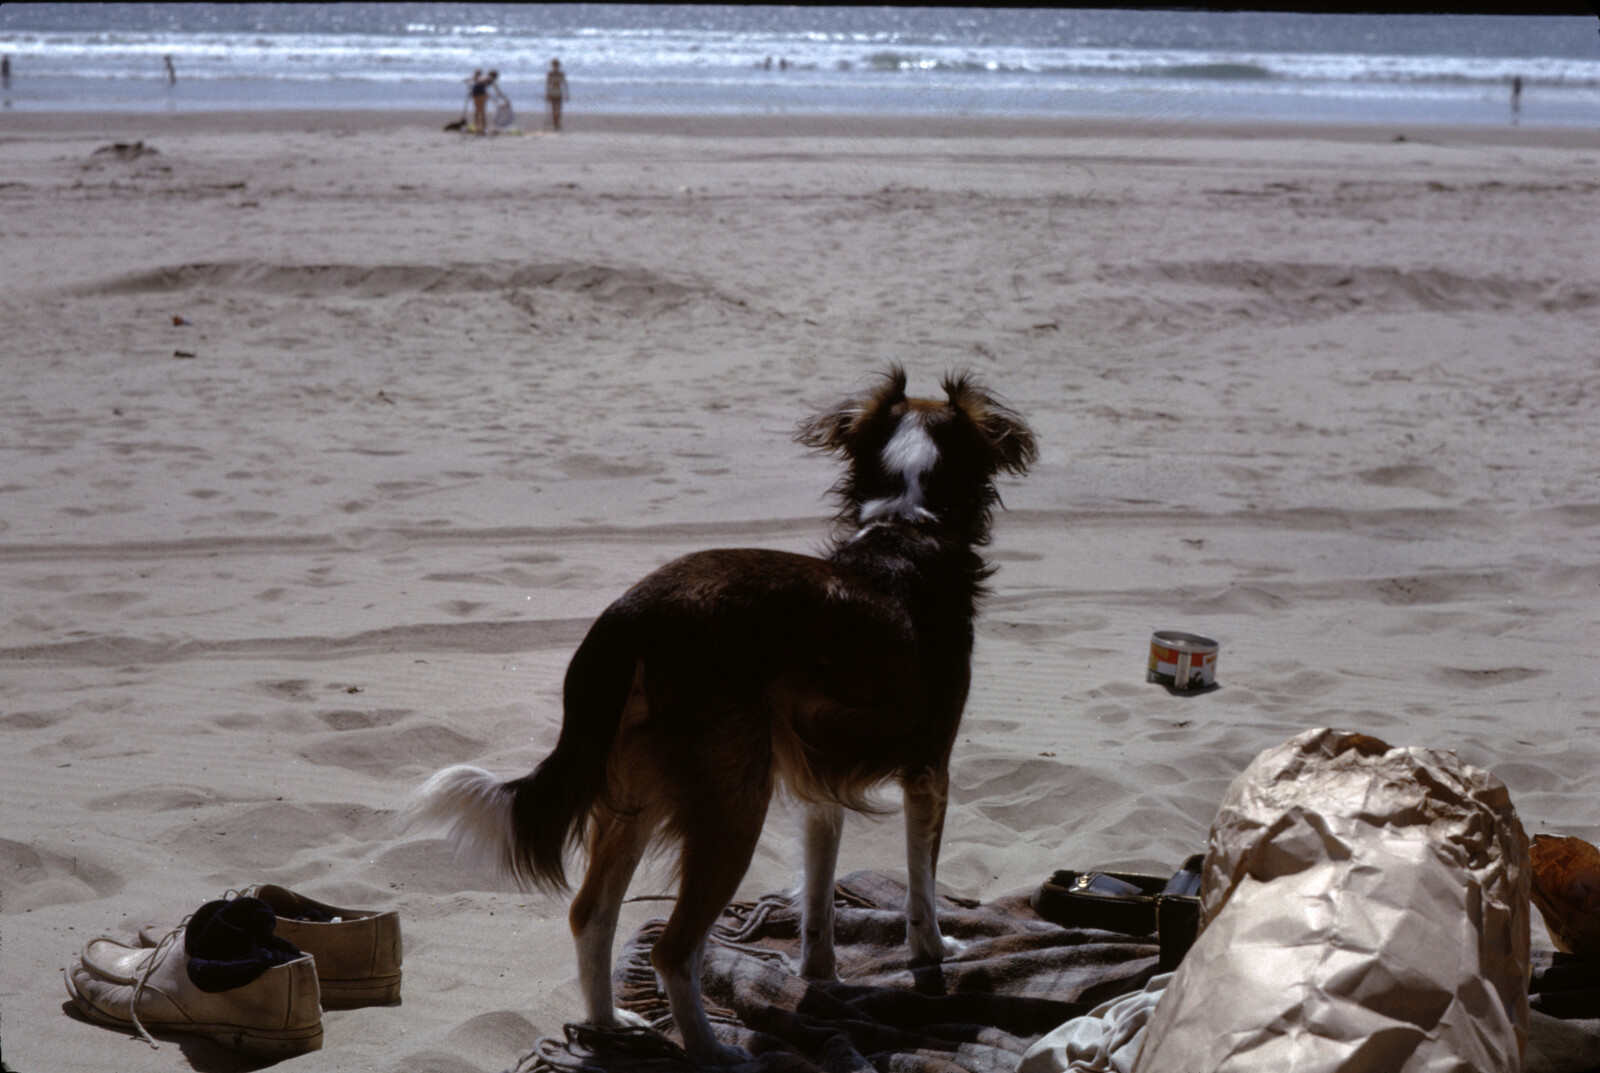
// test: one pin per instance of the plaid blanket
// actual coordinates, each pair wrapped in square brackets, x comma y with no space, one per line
[1018,977]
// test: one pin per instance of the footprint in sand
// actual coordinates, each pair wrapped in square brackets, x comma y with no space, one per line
[291,688]
[589,467]
[1483,679]
[394,753]
[37,878]
[272,835]
[103,601]
[160,799]
[1423,478]
[32,720]
[351,719]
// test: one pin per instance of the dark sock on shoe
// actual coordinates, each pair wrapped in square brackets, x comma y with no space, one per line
[230,943]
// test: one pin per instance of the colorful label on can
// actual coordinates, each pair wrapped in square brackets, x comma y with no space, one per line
[1180,669]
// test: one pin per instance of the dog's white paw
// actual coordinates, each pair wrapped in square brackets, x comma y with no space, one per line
[936,950]
[628,1019]
[815,966]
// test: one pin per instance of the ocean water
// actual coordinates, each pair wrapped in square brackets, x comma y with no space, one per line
[706,59]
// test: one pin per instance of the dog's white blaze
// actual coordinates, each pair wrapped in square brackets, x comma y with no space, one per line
[910,454]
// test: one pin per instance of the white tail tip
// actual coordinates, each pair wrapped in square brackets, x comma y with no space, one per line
[474,809]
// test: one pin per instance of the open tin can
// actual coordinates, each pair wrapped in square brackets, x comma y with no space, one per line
[1183,662]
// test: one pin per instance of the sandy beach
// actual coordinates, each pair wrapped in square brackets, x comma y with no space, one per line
[1326,394]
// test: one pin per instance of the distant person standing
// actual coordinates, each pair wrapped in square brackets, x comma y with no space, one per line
[1516,97]
[5,72]
[172,72]
[555,91]
[479,96]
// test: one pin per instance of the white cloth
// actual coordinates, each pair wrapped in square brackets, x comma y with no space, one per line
[1104,1040]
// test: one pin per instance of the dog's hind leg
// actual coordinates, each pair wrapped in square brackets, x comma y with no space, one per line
[925,797]
[614,852]
[823,825]
[713,862]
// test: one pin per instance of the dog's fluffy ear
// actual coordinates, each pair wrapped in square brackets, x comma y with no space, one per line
[1009,439]
[836,428]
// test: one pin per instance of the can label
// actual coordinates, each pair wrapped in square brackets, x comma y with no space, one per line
[1182,661]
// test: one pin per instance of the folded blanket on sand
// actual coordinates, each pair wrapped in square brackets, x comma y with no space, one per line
[1018,977]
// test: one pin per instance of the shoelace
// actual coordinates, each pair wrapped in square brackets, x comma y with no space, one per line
[150,963]
[157,955]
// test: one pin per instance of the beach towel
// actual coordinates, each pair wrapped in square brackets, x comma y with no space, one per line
[1017,978]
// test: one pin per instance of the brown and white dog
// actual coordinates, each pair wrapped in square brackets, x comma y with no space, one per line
[727,674]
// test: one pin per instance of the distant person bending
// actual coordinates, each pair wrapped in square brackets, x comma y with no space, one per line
[504,116]
[555,91]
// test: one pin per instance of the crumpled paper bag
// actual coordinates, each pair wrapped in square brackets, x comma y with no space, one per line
[1366,911]
[1566,888]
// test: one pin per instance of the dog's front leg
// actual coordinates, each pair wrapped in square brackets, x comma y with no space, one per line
[925,797]
[823,825]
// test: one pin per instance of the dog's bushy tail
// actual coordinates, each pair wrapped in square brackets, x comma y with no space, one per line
[523,828]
